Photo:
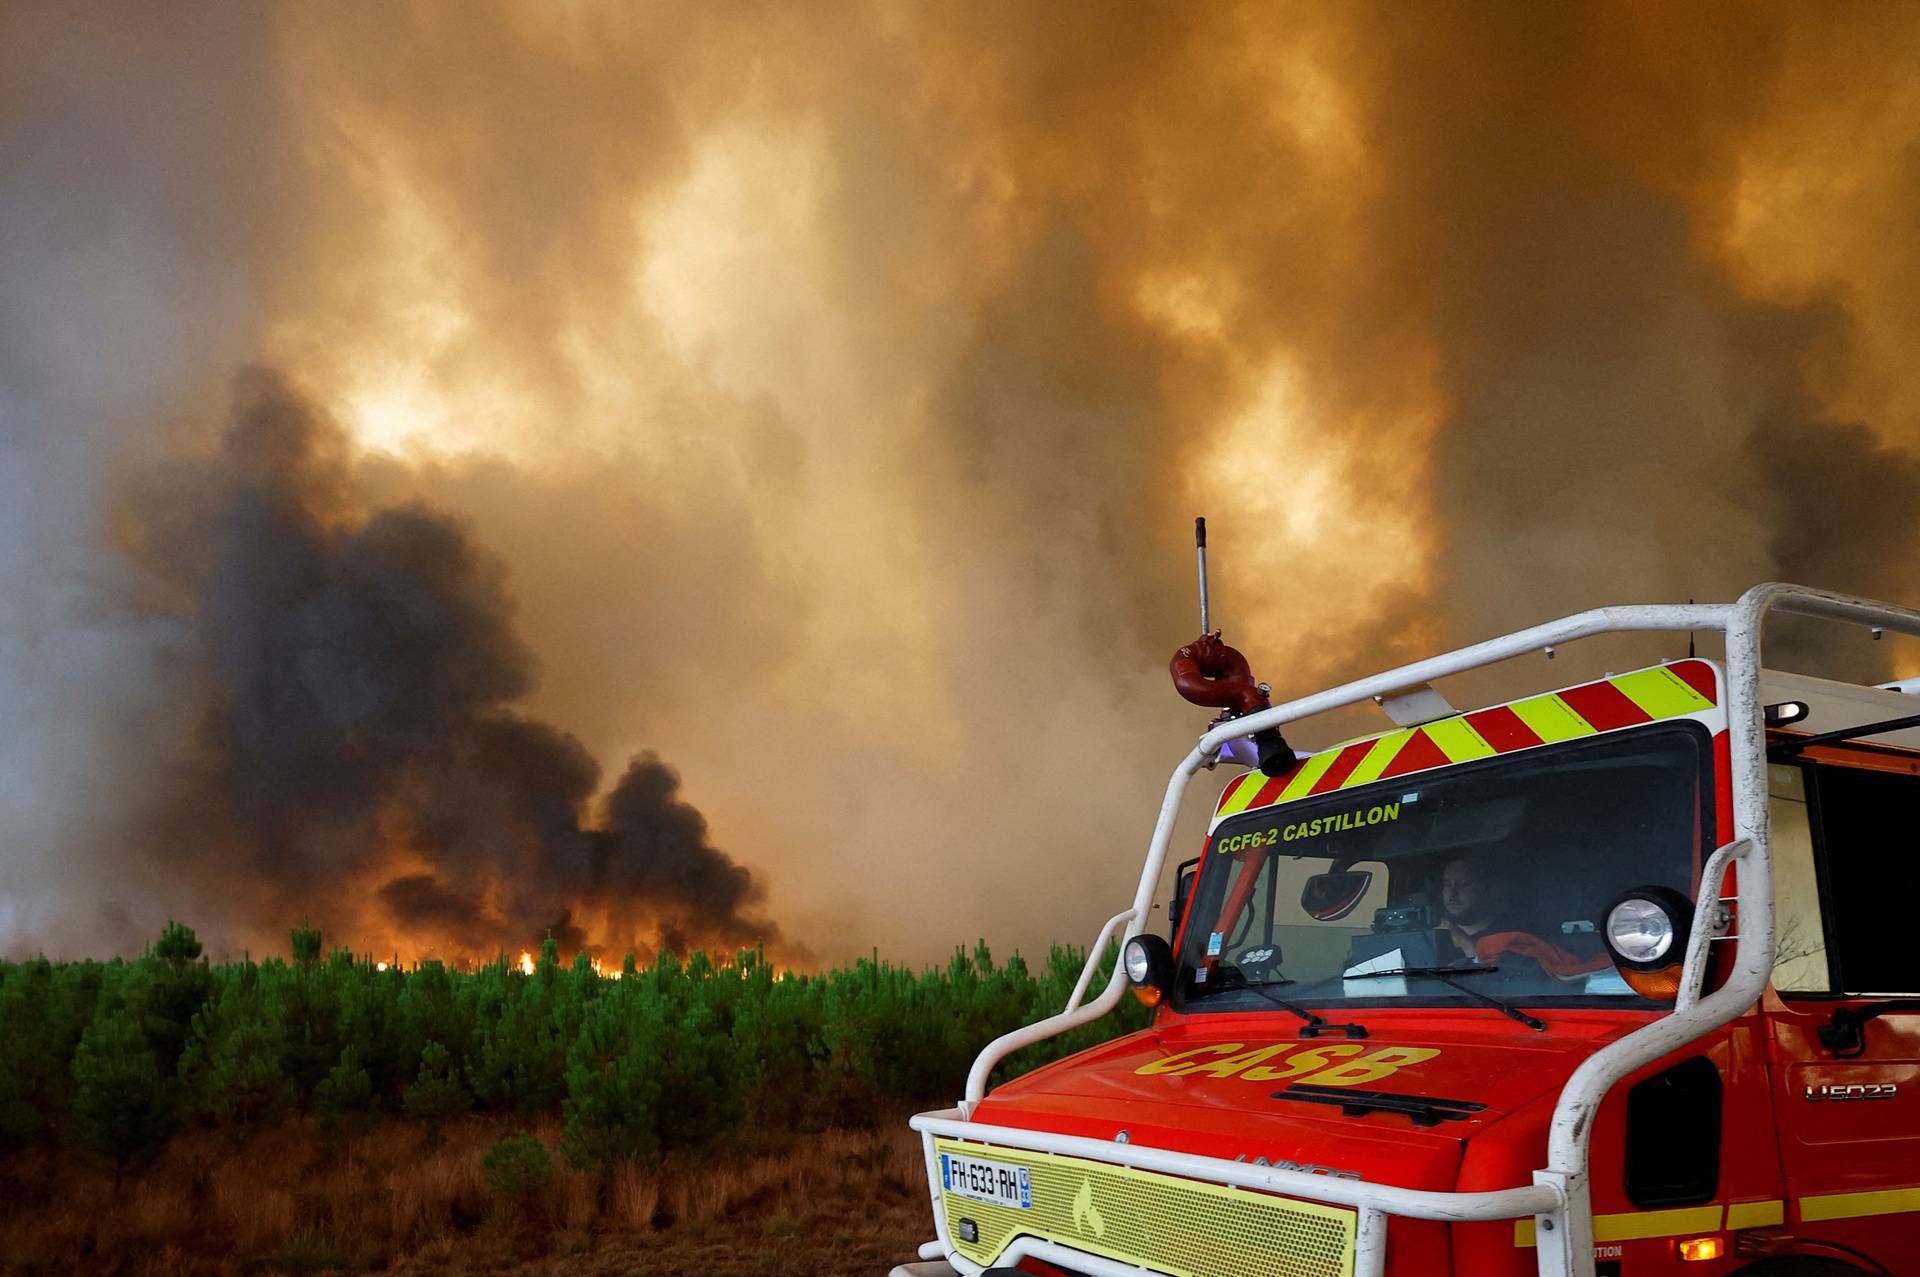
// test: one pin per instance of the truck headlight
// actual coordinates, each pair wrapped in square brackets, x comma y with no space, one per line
[1148,961]
[1646,931]
[1639,930]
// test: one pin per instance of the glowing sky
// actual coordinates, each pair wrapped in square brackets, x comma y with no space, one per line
[836,384]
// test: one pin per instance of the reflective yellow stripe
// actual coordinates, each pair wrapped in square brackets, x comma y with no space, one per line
[1303,778]
[1458,740]
[1661,692]
[1309,775]
[1243,796]
[1756,1214]
[1551,718]
[1890,1201]
[1656,1223]
[1638,1225]
[1383,752]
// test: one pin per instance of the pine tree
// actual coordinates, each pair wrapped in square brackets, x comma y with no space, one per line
[44,1009]
[694,1065]
[431,1008]
[120,1107]
[775,1023]
[614,1080]
[306,944]
[26,1049]
[518,1166]
[166,989]
[436,1096]
[520,1060]
[177,944]
[345,1096]
[233,1060]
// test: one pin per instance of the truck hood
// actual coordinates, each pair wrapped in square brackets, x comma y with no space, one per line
[1213,1086]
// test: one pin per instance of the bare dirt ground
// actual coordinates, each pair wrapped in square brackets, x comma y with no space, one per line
[285,1201]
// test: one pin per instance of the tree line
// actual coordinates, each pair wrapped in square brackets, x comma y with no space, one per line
[112,1058]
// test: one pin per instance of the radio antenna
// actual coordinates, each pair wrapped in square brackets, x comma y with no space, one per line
[1200,549]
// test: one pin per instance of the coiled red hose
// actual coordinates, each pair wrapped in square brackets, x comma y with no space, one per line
[1208,672]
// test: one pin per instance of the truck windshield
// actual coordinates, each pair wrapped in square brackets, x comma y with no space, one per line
[1503,868]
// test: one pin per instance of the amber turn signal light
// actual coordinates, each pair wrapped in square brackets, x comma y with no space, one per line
[1656,986]
[1698,1248]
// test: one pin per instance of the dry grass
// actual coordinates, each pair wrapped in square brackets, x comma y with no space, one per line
[837,1202]
[633,1199]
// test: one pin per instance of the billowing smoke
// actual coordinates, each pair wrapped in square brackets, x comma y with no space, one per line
[359,741]
[835,389]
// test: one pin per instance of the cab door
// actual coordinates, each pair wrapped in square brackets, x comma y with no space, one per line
[1844,1016]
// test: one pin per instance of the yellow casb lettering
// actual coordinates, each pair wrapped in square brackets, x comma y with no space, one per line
[1371,1068]
[1302,1061]
[1188,1060]
[1233,1064]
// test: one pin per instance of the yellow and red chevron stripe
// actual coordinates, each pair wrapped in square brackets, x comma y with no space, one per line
[1624,700]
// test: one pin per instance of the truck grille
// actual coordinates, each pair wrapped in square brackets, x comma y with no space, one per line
[1182,1227]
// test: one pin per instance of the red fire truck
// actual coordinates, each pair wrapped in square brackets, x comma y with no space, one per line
[1609,980]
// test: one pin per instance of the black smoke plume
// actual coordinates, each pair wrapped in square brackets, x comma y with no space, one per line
[359,669]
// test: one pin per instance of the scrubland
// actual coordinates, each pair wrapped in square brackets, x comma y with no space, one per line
[330,1113]
[286,1200]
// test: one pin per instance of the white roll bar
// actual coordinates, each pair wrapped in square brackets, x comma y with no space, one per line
[1088,967]
[1563,1214]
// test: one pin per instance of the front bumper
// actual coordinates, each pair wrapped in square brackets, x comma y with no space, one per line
[1334,1227]
[1148,1220]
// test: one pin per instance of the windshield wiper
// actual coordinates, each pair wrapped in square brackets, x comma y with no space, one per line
[1315,1024]
[1423,1110]
[1443,973]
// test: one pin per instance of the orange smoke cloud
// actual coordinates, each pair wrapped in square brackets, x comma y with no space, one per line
[835,389]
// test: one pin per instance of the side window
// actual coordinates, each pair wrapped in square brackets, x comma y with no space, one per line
[1800,942]
[1868,840]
